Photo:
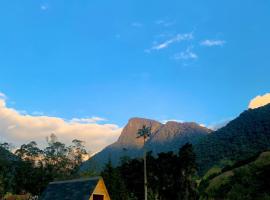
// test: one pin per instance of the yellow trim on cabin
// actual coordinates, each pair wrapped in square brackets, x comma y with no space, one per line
[101,190]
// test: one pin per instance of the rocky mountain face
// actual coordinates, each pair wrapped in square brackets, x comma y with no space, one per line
[128,137]
[173,135]
[164,137]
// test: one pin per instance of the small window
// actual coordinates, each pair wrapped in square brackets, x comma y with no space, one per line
[98,197]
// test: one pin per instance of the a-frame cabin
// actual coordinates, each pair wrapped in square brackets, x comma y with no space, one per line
[80,189]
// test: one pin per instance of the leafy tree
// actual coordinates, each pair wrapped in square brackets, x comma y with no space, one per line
[6,146]
[30,152]
[114,182]
[56,159]
[131,172]
[188,168]
[170,176]
[77,153]
[165,175]
[32,168]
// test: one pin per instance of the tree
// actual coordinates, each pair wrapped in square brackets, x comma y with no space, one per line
[7,146]
[144,132]
[56,158]
[166,175]
[77,153]
[32,169]
[131,174]
[188,168]
[30,152]
[114,182]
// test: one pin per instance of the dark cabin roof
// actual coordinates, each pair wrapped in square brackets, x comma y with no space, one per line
[80,189]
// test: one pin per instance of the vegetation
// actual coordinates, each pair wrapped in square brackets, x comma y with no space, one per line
[170,176]
[244,137]
[174,177]
[31,169]
[248,180]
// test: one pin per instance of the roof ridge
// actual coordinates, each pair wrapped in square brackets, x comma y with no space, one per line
[76,180]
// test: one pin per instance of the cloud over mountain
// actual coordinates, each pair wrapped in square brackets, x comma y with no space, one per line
[259,101]
[19,128]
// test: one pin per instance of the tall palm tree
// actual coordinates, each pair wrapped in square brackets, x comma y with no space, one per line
[144,132]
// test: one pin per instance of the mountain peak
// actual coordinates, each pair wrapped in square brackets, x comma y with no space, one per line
[140,120]
[164,137]
[173,130]
[128,136]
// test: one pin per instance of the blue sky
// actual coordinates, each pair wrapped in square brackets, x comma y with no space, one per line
[188,60]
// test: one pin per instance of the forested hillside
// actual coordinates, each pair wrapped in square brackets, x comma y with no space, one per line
[248,179]
[243,137]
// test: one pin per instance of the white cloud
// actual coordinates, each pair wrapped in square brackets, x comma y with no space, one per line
[203,125]
[259,101]
[167,43]
[171,120]
[88,120]
[18,128]
[186,55]
[211,43]
[2,96]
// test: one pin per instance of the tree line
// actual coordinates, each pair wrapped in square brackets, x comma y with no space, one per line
[32,168]
[170,176]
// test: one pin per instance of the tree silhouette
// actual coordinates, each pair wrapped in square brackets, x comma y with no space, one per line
[144,132]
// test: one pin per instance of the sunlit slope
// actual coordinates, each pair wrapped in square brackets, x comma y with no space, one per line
[247,181]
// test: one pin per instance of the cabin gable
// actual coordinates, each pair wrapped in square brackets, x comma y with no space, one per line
[100,192]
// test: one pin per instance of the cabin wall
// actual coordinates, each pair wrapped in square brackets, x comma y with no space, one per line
[101,189]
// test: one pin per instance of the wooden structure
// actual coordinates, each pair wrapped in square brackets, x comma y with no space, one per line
[80,189]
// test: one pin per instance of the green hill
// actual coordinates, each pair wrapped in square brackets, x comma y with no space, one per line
[242,138]
[249,181]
